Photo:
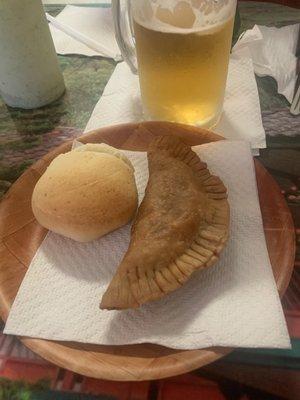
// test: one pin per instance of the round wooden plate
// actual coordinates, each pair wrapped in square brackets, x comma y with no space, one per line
[20,237]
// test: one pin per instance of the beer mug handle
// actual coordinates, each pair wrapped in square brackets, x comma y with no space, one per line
[124,32]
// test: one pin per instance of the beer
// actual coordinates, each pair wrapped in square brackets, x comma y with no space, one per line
[183,74]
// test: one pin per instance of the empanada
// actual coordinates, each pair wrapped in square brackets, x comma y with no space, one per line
[181,226]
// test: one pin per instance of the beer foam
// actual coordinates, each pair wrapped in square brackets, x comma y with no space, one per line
[202,23]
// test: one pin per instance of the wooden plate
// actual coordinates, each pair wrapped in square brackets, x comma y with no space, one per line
[20,237]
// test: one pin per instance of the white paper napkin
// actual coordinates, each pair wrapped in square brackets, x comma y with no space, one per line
[274,55]
[234,303]
[121,102]
[241,118]
[94,22]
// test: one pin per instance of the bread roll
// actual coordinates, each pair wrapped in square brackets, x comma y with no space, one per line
[84,194]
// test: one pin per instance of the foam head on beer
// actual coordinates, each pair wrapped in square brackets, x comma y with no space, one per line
[183,52]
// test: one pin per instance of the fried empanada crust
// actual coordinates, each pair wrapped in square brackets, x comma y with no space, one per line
[181,226]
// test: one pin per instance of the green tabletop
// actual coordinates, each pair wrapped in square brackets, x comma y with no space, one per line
[25,135]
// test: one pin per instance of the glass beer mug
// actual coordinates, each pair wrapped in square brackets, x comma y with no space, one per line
[180,50]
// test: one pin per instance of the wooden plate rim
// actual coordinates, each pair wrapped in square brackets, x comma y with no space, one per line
[108,365]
